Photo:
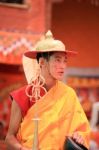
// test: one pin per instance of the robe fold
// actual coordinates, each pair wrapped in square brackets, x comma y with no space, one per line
[60,115]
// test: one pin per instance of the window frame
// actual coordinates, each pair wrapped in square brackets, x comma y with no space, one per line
[25,4]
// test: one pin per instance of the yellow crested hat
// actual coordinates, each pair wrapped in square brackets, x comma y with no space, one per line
[48,44]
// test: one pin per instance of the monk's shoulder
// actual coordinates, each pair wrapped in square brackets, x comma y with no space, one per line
[19,90]
[67,88]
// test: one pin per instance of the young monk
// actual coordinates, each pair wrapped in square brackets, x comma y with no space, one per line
[56,106]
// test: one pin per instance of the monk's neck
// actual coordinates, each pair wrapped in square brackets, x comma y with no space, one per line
[49,84]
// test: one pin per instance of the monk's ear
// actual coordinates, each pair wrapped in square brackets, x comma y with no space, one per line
[41,61]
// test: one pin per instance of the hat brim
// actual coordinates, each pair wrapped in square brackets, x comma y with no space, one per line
[33,54]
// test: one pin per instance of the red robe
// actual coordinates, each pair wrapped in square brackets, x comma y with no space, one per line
[23,100]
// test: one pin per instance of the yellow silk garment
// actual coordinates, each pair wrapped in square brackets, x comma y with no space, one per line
[60,115]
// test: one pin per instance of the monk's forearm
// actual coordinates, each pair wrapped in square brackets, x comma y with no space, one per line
[12,143]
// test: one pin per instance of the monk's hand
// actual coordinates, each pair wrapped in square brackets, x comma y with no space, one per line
[78,138]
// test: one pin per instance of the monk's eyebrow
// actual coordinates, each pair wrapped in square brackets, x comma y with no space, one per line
[57,56]
[60,57]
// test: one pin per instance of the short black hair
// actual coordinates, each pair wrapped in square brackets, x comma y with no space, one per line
[45,55]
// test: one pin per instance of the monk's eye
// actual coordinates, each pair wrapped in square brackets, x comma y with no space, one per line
[58,60]
[65,61]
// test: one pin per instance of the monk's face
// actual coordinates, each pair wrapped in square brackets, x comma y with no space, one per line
[55,66]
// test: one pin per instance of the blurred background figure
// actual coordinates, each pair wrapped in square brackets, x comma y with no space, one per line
[86,102]
[94,145]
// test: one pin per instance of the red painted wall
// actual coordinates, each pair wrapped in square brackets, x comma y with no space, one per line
[77,25]
[32,18]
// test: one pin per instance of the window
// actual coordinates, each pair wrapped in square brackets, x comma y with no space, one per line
[15,3]
[12,1]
